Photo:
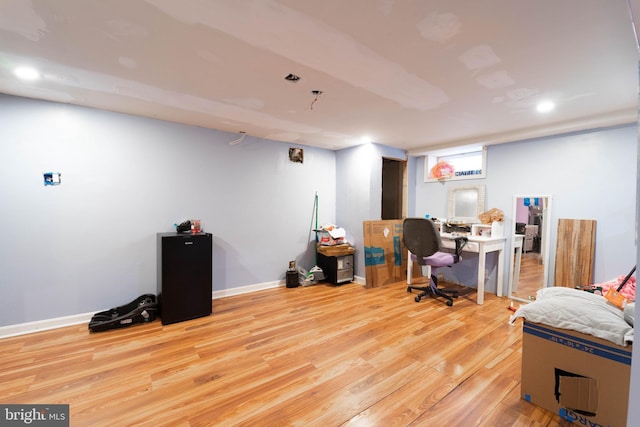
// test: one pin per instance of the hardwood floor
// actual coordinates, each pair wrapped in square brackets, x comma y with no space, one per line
[310,356]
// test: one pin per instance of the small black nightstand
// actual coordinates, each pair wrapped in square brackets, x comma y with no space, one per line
[337,268]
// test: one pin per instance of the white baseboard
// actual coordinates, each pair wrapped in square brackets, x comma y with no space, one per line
[246,289]
[359,280]
[77,319]
[44,325]
[262,286]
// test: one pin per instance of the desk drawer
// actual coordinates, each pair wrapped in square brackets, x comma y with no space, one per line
[472,247]
[469,247]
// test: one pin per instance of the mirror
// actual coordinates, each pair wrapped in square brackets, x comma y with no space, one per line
[530,238]
[465,204]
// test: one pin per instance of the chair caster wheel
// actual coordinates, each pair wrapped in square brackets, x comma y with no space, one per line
[449,303]
[408,289]
[417,299]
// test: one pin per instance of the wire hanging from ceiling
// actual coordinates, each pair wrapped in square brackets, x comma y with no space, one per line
[239,140]
[316,94]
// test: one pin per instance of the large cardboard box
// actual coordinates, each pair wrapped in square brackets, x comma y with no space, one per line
[385,256]
[582,378]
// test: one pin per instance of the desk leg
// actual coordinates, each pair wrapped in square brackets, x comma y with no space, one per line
[500,282]
[409,267]
[482,258]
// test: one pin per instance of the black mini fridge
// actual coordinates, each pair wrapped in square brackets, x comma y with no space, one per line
[184,276]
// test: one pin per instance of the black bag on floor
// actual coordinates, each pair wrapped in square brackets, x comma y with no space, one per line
[141,310]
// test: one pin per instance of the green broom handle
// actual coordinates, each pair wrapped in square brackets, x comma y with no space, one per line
[316,249]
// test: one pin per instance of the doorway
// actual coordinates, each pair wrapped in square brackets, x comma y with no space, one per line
[530,240]
[393,188]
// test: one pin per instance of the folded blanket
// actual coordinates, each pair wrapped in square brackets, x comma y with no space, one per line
[576,310]
[628,290]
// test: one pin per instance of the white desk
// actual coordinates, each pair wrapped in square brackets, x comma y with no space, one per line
[476,244]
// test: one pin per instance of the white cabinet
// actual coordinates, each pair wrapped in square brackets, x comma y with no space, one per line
[495,229]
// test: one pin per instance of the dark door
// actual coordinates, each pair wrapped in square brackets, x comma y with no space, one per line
[393,172]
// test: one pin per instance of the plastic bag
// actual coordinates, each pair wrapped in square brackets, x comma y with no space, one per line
[492,215]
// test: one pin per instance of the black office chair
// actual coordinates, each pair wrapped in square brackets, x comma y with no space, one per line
[422,239]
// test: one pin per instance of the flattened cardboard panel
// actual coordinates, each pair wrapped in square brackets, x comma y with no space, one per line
[579,394]
[385,258]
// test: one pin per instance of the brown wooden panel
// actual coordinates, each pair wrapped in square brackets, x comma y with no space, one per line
[575,252]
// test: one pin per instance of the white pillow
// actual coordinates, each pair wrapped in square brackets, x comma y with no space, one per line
[629,314]
[576,310]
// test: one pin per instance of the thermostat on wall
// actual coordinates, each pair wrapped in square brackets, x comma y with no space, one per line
[52,178]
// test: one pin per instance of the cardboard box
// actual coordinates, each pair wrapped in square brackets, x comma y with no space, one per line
[336,250]
[582,378]
[385,256]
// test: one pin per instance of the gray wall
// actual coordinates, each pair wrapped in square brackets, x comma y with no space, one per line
[359,191]
[634,409]
[634,388]
[589,175]
[90,243]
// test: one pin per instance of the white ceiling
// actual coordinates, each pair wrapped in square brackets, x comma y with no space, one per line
[415,75]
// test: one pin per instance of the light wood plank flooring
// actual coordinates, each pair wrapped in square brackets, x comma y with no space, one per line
[310,356]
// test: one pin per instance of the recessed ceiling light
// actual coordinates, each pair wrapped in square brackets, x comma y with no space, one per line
[27,73]
[545,106]
[366,139]
[292,78]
